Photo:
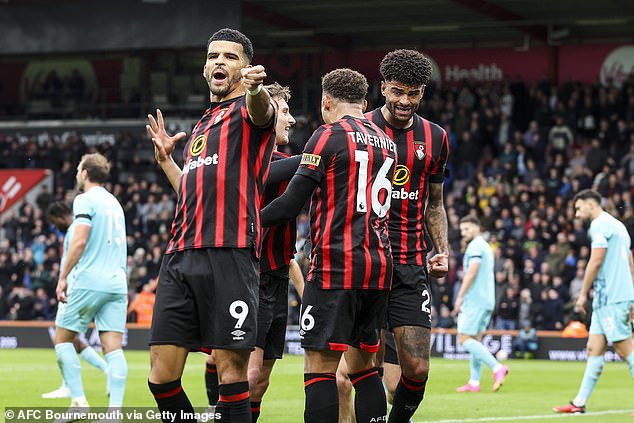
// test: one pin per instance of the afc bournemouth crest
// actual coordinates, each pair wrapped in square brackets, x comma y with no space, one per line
[219,117]
[419,149]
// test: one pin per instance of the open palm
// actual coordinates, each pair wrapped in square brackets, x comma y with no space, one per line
[164,143]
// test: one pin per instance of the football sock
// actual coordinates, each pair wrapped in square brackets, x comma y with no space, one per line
[630,362]
[408,396]
[594,367]
[70,366]
[171,397]
[322,399]
[211,383]
[479,351]
[233,402]
[93,358]
[475,370]
[117,375]
[369,399]
[255,410]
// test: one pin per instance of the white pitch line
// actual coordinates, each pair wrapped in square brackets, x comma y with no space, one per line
[512,418]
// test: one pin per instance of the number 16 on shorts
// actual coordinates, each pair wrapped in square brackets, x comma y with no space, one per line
[306,320]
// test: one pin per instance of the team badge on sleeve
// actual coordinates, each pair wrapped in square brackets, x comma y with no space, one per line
[310,159]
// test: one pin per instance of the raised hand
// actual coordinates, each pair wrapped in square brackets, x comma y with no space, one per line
[252,76]
[163,142]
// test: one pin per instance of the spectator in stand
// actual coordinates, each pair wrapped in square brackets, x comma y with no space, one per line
[526,342]
[508,310]
[553,312]
[142,305]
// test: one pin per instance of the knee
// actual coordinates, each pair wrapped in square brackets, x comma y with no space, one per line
[343,383]
[259,389]
[417,369]
[254,378]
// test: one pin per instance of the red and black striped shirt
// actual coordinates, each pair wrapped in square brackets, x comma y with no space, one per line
[226,161]
[353,162]
[423,150]
[278,242]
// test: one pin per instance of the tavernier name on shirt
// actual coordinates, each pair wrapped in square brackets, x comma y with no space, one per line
[373,140]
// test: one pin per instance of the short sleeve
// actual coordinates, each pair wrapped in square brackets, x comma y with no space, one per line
[437,174]
[598,235]
[316,155]
[83,210]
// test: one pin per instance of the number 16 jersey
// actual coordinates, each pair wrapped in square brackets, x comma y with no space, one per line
[353,162]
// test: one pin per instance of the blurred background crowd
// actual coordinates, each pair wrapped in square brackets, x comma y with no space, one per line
[519,154]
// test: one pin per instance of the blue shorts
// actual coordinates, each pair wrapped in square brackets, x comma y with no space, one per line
[612,321]
[473,320]
[107,309]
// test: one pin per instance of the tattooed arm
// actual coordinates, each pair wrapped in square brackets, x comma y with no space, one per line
[436,223]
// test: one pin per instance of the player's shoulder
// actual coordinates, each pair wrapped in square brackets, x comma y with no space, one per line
[438,132]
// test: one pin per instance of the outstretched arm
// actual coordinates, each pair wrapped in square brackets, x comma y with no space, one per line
[259,105]
[288,205]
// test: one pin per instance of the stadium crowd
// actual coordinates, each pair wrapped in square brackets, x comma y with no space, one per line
[519,154]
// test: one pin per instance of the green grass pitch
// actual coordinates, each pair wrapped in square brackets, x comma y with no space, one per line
[529,393]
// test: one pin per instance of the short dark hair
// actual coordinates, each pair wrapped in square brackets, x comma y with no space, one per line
[57,209]
[409,67]
[345,84]
[228,34]
[470,219]
[97,166]
[587,194]
[278,91]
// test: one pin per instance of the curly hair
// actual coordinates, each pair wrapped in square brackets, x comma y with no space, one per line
[228,34]
[58,209]
[278,91]
[97,166]
[345,84]
[409,67]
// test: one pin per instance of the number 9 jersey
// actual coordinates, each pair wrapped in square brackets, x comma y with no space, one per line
[352,161]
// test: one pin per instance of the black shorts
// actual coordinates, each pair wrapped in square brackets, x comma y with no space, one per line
[332,319]
[273,313]
[207,298]
[410,298]
[390,355]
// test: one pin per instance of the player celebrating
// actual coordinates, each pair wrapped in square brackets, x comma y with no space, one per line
[207,293]
[417,206]
[347,166]
[475,303]
[609,270]
[276,264]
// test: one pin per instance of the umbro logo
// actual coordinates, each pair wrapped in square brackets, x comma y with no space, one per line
[238,335]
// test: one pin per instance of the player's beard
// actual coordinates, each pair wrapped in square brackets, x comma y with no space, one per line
[391,107]
[225,89]
[80,186]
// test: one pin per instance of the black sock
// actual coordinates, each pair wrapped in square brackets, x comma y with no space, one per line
[322,399]
[369,399]
[255,410]
[211,383]
[233,402]
[409,394]
[170,397]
